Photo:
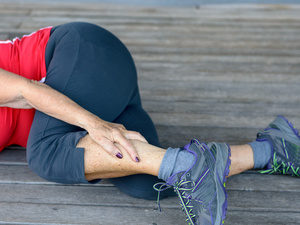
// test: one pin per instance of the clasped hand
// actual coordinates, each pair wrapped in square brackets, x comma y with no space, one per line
[107,135]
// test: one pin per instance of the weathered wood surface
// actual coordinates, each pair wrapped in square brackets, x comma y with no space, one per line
[216,73]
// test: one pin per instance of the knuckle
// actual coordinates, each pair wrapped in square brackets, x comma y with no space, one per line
[115,131]
[120,126]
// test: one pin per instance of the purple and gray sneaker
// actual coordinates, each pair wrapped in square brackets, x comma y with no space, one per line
[201,189]
[285,144]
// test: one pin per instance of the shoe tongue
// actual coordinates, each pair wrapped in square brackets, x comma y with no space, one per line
[273,126]
[213,150]
[198,168]
[210,156]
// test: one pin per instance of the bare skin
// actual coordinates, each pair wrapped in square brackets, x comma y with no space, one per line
[241,159]
[99,164]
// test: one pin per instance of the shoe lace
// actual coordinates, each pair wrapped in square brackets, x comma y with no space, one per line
[283,168]
[180,189]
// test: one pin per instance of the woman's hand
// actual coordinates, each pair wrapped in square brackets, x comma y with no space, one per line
[108,134]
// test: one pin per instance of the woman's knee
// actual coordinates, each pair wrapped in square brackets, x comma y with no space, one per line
[40,161]
[37,161]
[56,161]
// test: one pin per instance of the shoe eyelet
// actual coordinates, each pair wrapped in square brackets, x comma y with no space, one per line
[188,174]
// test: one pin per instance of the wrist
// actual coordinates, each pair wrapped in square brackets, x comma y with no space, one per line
[90,121]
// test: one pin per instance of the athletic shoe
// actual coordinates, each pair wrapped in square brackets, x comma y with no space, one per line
[285,144]
[201,189]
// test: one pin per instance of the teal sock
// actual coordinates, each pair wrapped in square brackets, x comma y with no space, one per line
[262,153]
[175,160]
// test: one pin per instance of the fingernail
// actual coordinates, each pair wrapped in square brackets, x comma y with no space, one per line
[119,155]
[137,159]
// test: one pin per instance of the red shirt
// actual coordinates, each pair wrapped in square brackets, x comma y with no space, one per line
[25,57]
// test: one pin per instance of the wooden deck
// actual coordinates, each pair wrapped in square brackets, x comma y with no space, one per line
[214,72]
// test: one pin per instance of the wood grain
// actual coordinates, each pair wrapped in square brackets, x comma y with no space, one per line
[218,73]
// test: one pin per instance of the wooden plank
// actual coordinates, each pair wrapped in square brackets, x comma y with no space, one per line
[216,12]
[260,200]
[255,182]
[90,195]
[221,59]
[220,92]
[57,214]
[73,214]
[14,173]
[252,186]
[13,154]
[262,217]
[216,50]
[214,107]
[178,136]
[163,74]
[237,67]
[207,120]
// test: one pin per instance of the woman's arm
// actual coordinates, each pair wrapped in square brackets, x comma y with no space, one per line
[19,92]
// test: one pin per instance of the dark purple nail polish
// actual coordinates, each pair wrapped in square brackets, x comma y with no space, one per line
[119,155]
[137,159]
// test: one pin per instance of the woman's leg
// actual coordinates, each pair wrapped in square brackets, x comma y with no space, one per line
[92,67]
[241,159]
[198,183]
[98,164]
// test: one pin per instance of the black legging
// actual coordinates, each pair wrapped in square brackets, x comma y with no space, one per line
[92,67]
